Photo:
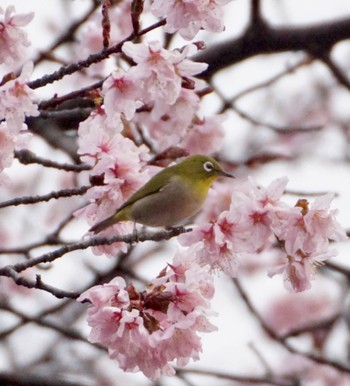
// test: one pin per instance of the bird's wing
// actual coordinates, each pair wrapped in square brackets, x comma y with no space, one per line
[154,185]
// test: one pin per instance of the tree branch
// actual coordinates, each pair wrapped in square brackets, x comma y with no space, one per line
[67,35]
[27,157]
[283,339]
[265,39]
[249,380]
[10,272]
[46,197]
[93,58]
[93,242]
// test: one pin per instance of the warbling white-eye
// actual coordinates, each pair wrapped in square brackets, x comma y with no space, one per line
[171,196]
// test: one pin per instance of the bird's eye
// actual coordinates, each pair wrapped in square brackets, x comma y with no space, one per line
[208,166]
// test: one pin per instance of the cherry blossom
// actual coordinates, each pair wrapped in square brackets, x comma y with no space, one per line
[7,145]
[205,136]
[304,233]
[289,311]
[147,330]
[308,229]
[90,37]
[254,219]
[121,92]
[299,270]
[189,16]
[217,243]
[160,72]
[243,229]
[170,128]
[118,170]
[17,100]
[12,38]
[9,142]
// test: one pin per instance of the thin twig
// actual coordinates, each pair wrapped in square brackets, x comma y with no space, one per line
[44,198]
[258,380]
[10,272]
[26,157]
[63,330]
[67,35]
[93,242]
[269,82]
[283,340]
[93,58]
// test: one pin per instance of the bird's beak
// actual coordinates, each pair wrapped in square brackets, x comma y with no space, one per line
[225,174]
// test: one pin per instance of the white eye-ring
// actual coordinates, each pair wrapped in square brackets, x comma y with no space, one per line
[208,166]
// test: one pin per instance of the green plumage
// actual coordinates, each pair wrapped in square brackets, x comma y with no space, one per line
[169,197]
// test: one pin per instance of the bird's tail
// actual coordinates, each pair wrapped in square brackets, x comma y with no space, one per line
[99,227]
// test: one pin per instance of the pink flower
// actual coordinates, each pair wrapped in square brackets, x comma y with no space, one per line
[9,142]
[205,136]
[243,229]
[218,200]
[170,128]
[160,72]
[118,169]
[121,93]
[189,16]
[320,220]
[216,244]
[17,100]
[147,330]
[13,39]
[308,229]
[7,146]
[300,269]
[289,312]
[90,38]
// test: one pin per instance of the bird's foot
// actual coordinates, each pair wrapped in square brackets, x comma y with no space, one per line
[179,229]
[135,235]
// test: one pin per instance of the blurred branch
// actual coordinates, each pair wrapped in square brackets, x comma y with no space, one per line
[27,157]
[263,38]
[10,272]
[83,92]
[65,119]
[322,324]
[44,198]
[67,35]
[255,16]
[93,58]
[23,379]
[250,380]
[63,330]
[93,242]
[51,239]
[280,129]
[335,69]
[269,82]
[54,136]
[283,339]
[337,268]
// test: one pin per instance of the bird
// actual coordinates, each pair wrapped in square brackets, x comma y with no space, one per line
[171,196]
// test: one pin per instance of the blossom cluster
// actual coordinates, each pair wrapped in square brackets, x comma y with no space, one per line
[258,219]
[157,98]
[189,16]
[12,37]
[118,170]
[162,87]
[17,101]
[156,84]
[147,330]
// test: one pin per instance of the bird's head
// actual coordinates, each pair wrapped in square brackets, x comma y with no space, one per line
[202,168]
